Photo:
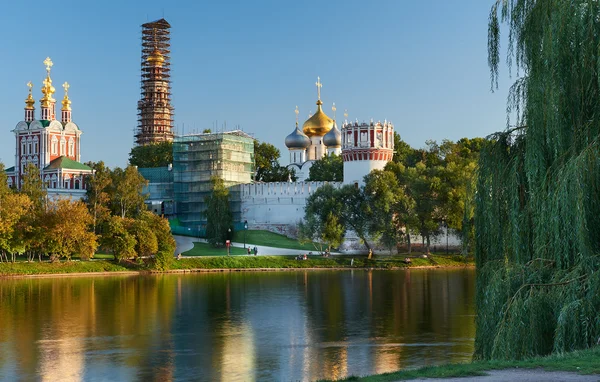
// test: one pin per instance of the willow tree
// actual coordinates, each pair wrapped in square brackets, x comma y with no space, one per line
[537,203]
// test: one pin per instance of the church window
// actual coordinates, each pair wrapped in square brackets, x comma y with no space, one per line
[63,143]
[35,146]
[54,184]
[54,145]
[28,148]
[23,146]
[71,148]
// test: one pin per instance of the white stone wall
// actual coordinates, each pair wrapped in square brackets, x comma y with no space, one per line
[277,202]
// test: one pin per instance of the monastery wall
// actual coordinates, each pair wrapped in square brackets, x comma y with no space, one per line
[277,205]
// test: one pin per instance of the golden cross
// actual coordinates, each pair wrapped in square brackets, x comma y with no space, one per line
[66,86]
[319,86]
[346,113]
[333,108]
[29,85]
[48,62]
[297,112]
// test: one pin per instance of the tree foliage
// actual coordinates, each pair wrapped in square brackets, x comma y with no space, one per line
[537,215]
[219,219]
[153,155]
[330,168]
[267,167]
[127,197]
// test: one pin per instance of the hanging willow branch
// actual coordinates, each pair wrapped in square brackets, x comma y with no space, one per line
[537,215]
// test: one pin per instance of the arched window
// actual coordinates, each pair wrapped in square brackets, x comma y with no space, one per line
[23,146]
[71,147]
[63,144]
[35,145]
[54,145]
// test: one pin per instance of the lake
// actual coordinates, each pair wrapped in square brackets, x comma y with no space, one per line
[255,326]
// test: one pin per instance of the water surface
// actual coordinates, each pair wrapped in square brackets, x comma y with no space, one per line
[264,326]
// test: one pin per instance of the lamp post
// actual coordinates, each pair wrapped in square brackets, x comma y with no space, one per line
[245,229]
[229,246]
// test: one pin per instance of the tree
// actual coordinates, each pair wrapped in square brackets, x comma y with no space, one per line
[321,223]
[153,155]
[166,243]
[218,215]
[537,216]
[146,241]
[330,168]
[66,230]
[34,188]
[268,169]
[14,210]
[98,193]
[116,238]
[127,197]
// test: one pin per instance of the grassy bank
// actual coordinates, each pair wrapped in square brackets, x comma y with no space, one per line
[35,268]
[584,362]
[270,239]
[205,249]
[228,262]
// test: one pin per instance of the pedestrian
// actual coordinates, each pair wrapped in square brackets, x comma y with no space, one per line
[255,251]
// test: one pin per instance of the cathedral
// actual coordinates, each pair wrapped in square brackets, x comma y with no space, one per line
[51,145]
[364,147]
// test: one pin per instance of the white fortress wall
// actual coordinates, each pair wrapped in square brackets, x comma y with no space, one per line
[277,203]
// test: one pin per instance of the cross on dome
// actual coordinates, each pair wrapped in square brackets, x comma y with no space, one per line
[333,108]
[297,112]
[319,86]
[29,85]
[346,113]
[66,86]
[48,62]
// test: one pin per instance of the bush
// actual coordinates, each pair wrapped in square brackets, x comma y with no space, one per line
[163,260]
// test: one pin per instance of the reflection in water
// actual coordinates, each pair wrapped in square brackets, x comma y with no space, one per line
[234,326]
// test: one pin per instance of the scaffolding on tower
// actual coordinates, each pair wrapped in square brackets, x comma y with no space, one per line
[155,112]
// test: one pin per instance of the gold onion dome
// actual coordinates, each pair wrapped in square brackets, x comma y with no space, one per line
[156,57]
[29,101]
[297,139]
[334,137]
[66,102]
[319,124]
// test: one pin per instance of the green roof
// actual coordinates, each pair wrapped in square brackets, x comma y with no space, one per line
[64,162]
[10,169]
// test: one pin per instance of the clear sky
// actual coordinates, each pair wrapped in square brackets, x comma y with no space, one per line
[421,64]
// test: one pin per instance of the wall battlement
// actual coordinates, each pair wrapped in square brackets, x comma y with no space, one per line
[282,189]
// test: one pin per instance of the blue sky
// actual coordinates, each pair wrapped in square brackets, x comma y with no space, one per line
[421,64]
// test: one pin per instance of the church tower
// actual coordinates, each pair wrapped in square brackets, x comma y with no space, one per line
[155,113]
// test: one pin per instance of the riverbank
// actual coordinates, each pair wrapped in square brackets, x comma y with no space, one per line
[581,362]
[229,263]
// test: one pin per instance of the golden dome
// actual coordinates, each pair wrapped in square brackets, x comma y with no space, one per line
[47,90]
[156,57]
[66,102]
[29,101]
[319,124]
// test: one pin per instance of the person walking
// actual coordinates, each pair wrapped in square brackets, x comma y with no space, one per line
[255,251]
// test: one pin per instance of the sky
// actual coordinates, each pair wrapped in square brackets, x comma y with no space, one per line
[248,64]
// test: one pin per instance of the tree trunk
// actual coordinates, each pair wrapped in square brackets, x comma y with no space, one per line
[408,241]
[428,244]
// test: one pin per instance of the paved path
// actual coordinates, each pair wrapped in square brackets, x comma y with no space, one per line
[522,375]
[185,243]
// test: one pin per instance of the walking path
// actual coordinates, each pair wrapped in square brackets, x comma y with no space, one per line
[522,375]
[185,243]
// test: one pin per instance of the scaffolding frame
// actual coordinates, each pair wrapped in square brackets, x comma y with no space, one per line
[155,112]
[196,158]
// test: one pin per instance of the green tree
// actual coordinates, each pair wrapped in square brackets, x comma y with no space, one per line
[152,155]
[321,223]
[34,188]
[126,193]
[218,215]
[166,243]
[14,211]
[66,230]
[537,216]
[330,168]
[117,239]
[268,169]
[98,193]
[146,241]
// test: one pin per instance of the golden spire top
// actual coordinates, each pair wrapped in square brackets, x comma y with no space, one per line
[48,62]
[66,102]
[333,108]
[29,101]
[319,86]
[156,56]
[297,112]
[47,89]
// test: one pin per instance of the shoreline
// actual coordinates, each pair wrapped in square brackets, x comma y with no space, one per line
[221,270]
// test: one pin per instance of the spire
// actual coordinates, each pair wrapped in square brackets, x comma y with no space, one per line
[297,112]
[66,102]
[47,102]
[66,105]
[29,102]
[319,86]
